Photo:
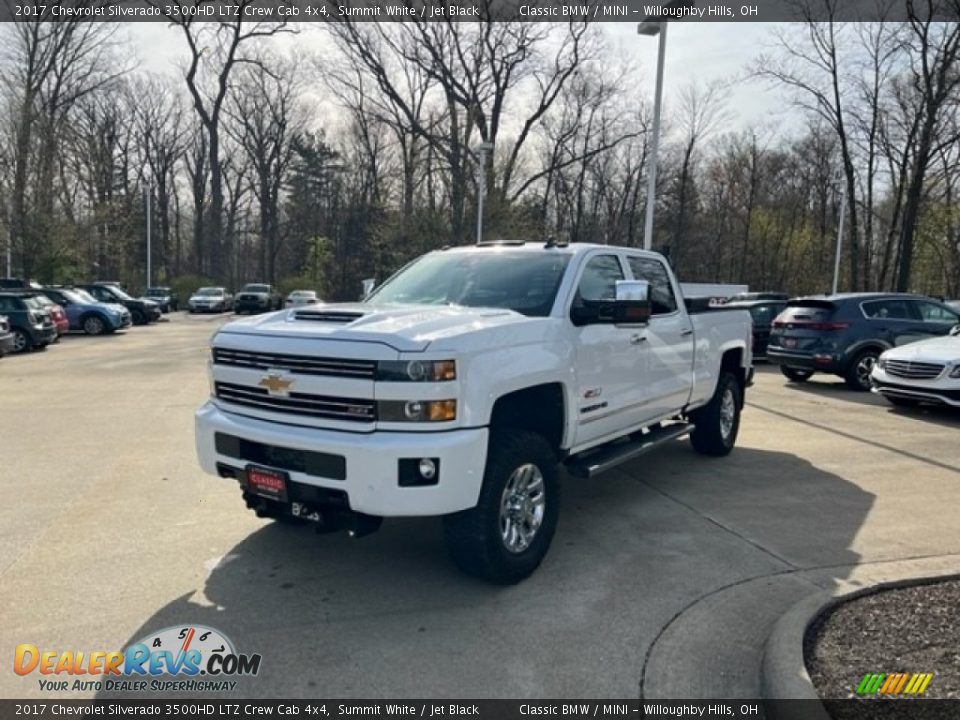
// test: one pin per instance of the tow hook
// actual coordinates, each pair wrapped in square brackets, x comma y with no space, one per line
[362,525]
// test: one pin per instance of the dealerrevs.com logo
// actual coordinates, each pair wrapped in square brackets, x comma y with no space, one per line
[188,658]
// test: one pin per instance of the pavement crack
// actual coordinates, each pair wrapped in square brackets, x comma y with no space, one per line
[857,438]
[717,523]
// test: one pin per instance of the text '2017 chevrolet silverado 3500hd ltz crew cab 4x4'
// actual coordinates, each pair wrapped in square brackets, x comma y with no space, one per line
[461,385]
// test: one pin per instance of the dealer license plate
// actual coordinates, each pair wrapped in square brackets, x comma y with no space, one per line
[267,483]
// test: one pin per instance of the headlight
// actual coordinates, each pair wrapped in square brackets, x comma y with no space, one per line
[417,410]
[417,370]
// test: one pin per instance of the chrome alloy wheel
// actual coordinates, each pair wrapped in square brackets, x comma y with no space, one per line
[522,508]
[728,413]
[864,368]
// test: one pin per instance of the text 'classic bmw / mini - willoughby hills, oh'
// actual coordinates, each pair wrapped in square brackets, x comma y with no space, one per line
[461,385]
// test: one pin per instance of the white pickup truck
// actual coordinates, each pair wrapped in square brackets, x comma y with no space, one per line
[458,388]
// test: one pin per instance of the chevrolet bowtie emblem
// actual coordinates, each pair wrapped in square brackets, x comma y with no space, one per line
[275,383]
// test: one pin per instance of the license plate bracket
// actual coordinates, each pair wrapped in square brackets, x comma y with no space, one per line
[790,342]
[267,483]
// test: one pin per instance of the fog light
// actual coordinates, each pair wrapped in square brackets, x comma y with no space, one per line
[427,468]
[412,410]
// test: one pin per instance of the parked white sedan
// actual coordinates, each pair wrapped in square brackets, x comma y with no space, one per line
[927,371]
[302,297]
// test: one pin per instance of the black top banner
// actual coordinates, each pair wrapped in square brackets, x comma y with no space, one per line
[603,11]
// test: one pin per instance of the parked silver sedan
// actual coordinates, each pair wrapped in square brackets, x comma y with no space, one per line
[298,298]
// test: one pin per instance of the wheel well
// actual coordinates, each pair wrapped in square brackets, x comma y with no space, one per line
[539,409]
[732,361]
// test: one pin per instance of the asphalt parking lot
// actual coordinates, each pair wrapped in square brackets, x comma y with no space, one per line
[663,579]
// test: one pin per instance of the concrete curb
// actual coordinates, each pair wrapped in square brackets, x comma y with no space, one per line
[784,670]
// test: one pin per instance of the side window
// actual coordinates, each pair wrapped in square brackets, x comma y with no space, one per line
[599,279]
[936,313]
[661,292]
[888,310]
[5,304]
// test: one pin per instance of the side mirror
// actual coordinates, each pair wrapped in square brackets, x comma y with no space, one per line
[631,306]
[955,331]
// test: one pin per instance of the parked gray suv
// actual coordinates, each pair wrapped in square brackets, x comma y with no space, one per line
[844,334]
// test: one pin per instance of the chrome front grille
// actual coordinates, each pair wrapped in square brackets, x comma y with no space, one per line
[296,364]
[913,370]
[304,404]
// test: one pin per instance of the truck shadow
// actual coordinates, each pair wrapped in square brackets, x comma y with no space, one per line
[390,615]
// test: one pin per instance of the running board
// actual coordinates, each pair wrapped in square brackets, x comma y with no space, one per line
[594,462]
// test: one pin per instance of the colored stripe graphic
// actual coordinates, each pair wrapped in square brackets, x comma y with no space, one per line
[894,683]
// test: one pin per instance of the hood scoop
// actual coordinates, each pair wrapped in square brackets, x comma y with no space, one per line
[340,317]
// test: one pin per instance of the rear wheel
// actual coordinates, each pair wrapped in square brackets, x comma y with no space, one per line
[857,376]
[21,341]
[138,317]
[796,374]
[718,422]
[505,537]
[94,325]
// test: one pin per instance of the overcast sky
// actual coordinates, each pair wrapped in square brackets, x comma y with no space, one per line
[696,51]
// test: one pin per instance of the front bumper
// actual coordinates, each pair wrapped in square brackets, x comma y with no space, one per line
[44,335]
[6,344]
[371,481]
[944,392]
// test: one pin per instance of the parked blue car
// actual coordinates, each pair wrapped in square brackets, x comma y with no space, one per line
[87,314]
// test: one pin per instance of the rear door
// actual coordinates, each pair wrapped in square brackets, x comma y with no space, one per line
[895,321]
[936,319]
[667,344]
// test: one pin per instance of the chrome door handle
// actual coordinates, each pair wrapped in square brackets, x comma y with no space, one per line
[637,339]
[686,333]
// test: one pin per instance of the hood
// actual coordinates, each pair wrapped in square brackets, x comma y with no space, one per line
[407,328]
[941,350]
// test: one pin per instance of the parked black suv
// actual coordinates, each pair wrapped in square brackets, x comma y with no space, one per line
[142,311]
[844,334]
[165,297]
[30,322]
[257,297]
[762,313]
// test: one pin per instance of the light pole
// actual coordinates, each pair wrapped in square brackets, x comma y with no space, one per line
[482,149]
[843,214]
[651,28]
[149,181]
[660,30]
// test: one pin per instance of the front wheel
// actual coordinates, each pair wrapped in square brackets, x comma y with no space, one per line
[505,537]
[21,341]
[796,374]
[94,325]
[857,376]
[718,422]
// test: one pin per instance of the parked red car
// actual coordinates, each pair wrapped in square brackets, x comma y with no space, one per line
[57,313]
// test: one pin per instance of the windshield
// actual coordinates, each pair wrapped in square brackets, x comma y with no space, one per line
[525,282]
[206,292]
[256,288]
[33,303]
[75,296]
[117,292]
[84,296]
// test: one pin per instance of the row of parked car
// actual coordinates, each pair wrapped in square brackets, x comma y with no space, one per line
[903,346]
[252,298]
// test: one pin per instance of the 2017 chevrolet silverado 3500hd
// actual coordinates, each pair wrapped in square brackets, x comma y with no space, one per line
[461,385]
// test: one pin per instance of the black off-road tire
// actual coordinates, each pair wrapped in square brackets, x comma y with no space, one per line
[857,375]
[474,536]
[716,430]
[796,374]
